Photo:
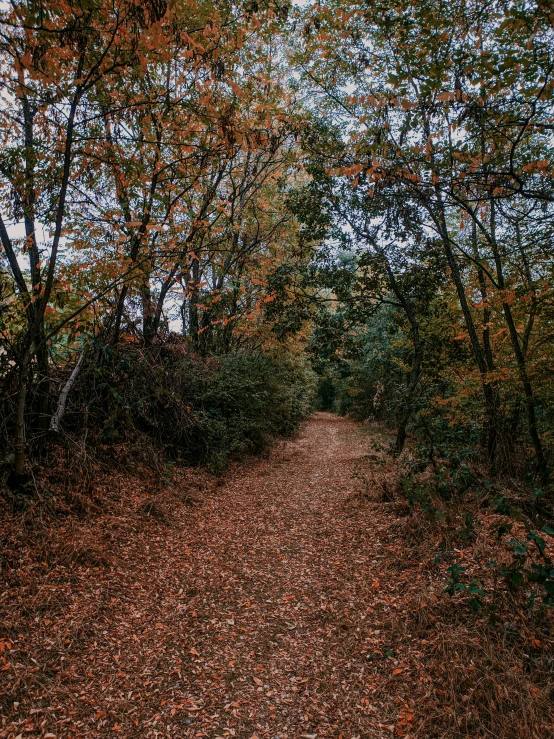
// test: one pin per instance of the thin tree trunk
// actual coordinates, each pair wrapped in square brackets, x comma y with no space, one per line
[488,392]
[529,395]
[19,445]
[413,379]
[60,410]
[33,311]
[439,218]
[520,357]
[36,312]
[193,284]
[491,389]
[119,314]
[415,371]
[148,314]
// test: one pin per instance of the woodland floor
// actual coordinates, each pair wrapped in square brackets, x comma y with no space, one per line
[277,608]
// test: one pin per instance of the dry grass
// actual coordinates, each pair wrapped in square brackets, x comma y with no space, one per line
[479,678]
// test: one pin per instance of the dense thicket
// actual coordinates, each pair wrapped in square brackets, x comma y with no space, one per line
[195,410]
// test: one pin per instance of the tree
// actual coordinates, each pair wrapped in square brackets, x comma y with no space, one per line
[433,106]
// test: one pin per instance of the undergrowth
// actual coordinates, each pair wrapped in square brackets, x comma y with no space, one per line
[482,612]
[161,405]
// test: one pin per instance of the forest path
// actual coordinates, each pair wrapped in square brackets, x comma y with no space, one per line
[284,580]
[273,610]
[282,575]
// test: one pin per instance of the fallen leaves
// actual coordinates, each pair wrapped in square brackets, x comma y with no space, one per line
[281,607]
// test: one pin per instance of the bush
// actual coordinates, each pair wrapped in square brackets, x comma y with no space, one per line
[198,410]
[252,399]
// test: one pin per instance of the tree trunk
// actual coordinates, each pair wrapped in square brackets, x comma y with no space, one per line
[43,384]
[19,445]
[193,284]
[490,389]
[35,318]
[542,466]
[491,421]
[148,314]
[415,372]
[60,410]
[413,379]
[119,314]
[529,396]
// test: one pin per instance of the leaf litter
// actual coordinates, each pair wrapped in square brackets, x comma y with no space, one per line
[285,604]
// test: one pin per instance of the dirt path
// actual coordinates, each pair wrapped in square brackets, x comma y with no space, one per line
[268,611]
[284,578]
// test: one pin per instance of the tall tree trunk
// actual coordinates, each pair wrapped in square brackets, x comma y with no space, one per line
[413,379]
[35,338]
[491,389]
[34,316]
[521,361]
[119,314]
[148,314]
[438,215]
[491,420]
[415,371]
[542,466]
[19,445]
[193,286]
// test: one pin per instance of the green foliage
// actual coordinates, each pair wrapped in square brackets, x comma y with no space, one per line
[457,585]
[198,410]
[441,498]
[530,564]
[249,400]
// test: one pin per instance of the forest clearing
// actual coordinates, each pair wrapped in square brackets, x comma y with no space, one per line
[277,369]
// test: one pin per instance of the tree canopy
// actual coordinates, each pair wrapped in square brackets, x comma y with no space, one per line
[370,184]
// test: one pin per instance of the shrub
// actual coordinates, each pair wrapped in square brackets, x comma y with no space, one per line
[198,410]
